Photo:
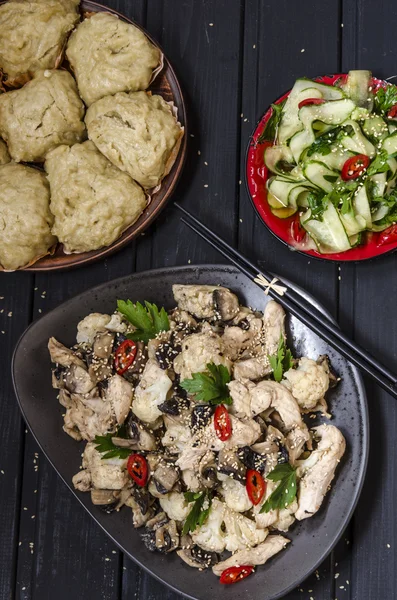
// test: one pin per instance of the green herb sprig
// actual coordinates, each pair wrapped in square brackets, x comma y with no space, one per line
[105,445]
[282,361]
[384,99]
[269,134]
[148,319]
[285,492]
[198,514]
[210,386]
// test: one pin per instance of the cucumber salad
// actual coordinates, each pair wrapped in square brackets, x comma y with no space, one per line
[332,161]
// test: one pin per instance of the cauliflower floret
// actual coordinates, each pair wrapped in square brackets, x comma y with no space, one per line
[88,327]
[277,519]
[198,350]
[151,391]
[235,494]
[210,536]
[175,505]
[308,383]
[176,437]
[106,474]
[117,324]
[241,531]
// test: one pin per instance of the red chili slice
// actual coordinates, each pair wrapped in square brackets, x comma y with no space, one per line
[222,423]
[124,356]
[297,231]
[137,467]
[235,574]
[392,114]
[309,101]
[255,486]
[388,236]
[354,167]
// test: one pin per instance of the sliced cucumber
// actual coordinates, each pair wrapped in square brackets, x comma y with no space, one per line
[355,240]
[375,128]
[379,180]
[353,224]
[361,206]
[281,189]
[390,143]
[283,213]
[334,160]
[303,88]
[357,88]
[276,155]
[379,213]
[329,234]
[320,175]
[334,113]
[357,142]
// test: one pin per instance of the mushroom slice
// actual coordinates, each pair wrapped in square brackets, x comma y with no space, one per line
[62,355]
[207,470]
[78,381]
[253,556]
[229,464]
[107,500]
[160,534]
[194,556]
[103,343]
[317,471]
[206,301]
[139,517]
[166,475]
[140,437]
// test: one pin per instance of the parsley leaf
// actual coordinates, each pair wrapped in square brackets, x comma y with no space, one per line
[384,99]
[105,445]
[270,131]
[331,178]
[389,200]
[379,164]
[317,202]
[210,386]
[323,142]
[148,319]
[282,361]
[285,492]
[198,514]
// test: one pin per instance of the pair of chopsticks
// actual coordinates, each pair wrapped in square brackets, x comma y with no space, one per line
[296,305]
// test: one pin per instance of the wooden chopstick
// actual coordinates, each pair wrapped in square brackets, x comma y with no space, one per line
[293,302]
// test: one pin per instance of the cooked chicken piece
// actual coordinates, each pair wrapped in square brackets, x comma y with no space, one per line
[253,556]
[106,474]
[252,368]
[198,350]
[238,341]
[175,506]
[308,383]
[63,356]
[273,320]
[206,301]
[241,396]
[88,327]
[244,433]
[182,317]
[235,494]
[317,471]
[119,393]
[151,391]
[241,531]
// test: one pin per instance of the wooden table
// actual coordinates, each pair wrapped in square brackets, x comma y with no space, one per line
[233,58]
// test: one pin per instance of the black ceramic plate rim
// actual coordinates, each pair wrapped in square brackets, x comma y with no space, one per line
[157,273]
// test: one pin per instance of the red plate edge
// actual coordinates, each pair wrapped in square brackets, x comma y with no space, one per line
[256,175]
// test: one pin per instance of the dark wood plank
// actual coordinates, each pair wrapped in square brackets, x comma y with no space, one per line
[367,305]
[15,309]
[271,67]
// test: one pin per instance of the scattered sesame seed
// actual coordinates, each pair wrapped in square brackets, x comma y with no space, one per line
[10,314]
[206,185]
[388,545]
[302,50]
[211,24]
[336,575]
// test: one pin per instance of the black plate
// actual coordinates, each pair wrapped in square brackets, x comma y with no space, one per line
[312,539]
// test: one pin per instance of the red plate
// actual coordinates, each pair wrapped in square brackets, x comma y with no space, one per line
[374,244]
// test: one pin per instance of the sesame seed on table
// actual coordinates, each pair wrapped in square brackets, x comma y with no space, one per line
[50,548]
